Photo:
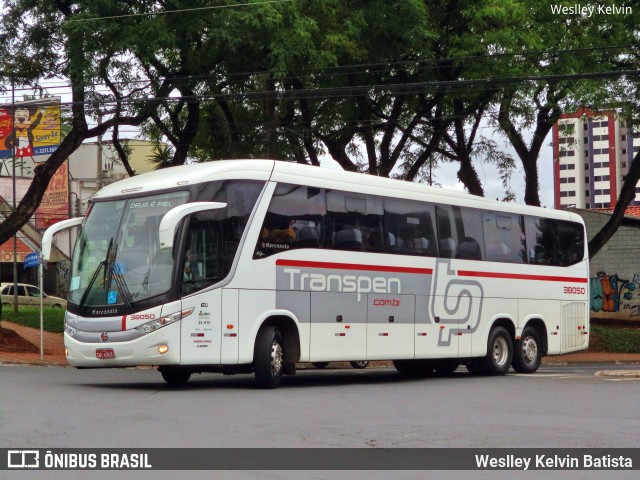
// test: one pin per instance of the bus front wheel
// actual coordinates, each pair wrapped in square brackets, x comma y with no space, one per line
[268,358]
[175,376]
[526,352]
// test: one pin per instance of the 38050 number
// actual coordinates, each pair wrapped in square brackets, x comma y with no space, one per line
[575,290]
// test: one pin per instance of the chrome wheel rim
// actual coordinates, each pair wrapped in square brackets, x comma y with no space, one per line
[276,358]
[500,351]
[529,350]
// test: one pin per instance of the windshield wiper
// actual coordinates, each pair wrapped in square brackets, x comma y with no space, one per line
[123,289]
[102,264]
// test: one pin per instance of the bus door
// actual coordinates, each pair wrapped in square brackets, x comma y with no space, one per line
[202,262]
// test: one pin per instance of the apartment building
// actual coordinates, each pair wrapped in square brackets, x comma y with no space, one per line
[592,152]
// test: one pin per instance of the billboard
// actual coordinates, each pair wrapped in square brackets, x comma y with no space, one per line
[30,128]
[55,202]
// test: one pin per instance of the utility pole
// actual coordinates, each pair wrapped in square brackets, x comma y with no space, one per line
[99,166]
[15,235]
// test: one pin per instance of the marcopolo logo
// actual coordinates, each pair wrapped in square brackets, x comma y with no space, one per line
[23,459]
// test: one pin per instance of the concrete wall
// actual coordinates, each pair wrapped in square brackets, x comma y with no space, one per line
[615,270]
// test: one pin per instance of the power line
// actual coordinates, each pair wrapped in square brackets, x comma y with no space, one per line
[350,69]
[183,10]
[451,86]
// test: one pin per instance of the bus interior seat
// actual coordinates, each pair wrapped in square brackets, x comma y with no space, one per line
[308,238]
[421,244]
[447,247]
[348,239]
[468,249]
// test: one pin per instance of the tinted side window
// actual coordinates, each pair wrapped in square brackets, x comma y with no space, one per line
[449,223]
[213,236]
[33,291]
[410,227]
[459,232]
[570,242]
[504,237]
[355,222]
[541,241]
[295,219]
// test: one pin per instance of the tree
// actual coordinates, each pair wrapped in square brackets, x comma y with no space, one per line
[56,42]
[557,58]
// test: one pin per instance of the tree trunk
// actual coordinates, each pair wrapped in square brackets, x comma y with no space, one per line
[627,194]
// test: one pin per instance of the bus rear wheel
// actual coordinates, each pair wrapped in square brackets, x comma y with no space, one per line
[526,352]
[414,368]
[268,358]
[175,376]
[499,353]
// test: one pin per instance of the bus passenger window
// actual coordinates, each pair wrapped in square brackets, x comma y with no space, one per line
[541,240]
[570,243]
[410,227]
[295,219]
[357,221]
[504,237]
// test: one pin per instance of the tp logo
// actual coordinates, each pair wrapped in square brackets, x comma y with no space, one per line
[456,302]
[23,459]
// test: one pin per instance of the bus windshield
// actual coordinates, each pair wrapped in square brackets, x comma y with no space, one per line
[117,259]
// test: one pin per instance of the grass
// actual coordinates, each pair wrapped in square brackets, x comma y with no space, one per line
[53,318]
[616,339]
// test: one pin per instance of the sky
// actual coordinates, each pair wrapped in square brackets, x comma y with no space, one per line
[446,174]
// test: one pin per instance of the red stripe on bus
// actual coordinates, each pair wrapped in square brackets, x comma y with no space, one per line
[520,276]
[124,322]
[352,266]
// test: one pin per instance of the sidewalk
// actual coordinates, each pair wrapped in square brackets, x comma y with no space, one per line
[54,352]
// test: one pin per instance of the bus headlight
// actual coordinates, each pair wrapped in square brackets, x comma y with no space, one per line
[69,330]
[154,325]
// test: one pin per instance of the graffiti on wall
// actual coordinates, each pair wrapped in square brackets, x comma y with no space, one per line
[611,294]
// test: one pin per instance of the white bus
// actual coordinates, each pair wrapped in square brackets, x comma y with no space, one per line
[255,265]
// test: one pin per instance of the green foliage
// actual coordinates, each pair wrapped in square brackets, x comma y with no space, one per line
[383,87]
[53,318]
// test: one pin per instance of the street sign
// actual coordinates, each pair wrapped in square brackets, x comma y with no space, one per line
[32,260]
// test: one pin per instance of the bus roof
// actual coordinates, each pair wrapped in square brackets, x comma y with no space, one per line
[289,172]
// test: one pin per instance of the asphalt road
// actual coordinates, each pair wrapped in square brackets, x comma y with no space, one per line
[560,406]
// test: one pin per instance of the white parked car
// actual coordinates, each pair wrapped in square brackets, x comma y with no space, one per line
[29,295]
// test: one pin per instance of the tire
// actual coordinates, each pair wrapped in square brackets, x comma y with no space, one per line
[414,368]
[359,364]
[499,353]
[446,366]
[320,364]
[175,376]
[474,367]
[527,353]
[268,358]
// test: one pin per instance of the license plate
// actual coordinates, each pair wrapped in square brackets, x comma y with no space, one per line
[105,353]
